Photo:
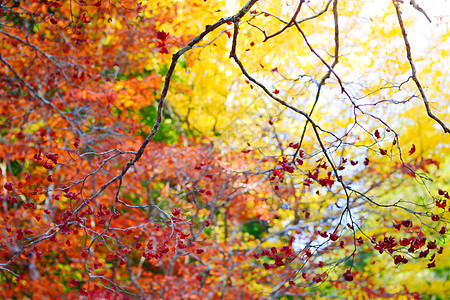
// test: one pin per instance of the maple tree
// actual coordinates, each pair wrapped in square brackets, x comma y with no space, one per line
[225,150]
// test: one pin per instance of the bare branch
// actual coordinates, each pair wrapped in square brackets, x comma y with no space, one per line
[413,69]
[420,9]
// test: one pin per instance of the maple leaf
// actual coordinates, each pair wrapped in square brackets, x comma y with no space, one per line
[398,259]
[162,35]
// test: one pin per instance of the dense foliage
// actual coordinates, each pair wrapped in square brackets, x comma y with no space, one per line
[224,149]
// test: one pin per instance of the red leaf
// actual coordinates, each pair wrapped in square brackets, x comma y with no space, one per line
[441,203]
[405,242]
[83,291]
[334,237]
[176,211]
[383,152]
[435,218]
[47,166]
[399,259]
[162,35]
[163,50]
[407,223]
[432,245]
[8,186]
[413,149]
[377,134]
[348,275]
[323,234]
[419,242]
[74,283]
[397,226]
[97,265]
[366,161]
[424,254]
[19,235]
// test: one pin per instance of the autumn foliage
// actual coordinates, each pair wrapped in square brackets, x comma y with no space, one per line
[223,150]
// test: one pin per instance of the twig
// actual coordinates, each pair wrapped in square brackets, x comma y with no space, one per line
[420,9]
[413,68]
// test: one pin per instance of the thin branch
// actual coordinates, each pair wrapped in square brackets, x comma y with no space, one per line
[420,9]
[327,75]
[413,68]
[292,21]
[37,94]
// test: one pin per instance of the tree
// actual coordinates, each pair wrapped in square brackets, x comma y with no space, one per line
[283,150]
